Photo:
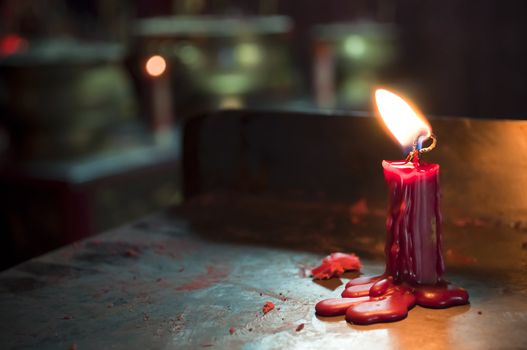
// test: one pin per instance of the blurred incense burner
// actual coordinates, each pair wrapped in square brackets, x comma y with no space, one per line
[67,98]
[414,259]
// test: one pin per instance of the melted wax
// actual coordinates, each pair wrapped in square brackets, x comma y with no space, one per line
[414,260]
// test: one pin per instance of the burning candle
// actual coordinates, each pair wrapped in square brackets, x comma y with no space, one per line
[414,260]
[413,245]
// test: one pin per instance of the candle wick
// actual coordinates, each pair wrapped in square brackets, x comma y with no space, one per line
[419,149]
[431,146]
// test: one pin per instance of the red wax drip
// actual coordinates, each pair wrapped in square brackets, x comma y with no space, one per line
[414,260]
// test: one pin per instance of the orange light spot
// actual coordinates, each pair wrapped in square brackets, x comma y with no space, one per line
[155,66]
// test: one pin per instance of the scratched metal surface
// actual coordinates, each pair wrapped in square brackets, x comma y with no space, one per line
[182,279]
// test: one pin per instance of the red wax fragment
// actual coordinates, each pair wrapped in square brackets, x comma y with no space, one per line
[232,330]
[300,327]
[268,306]
[67,317]
[73,347]
[335,265]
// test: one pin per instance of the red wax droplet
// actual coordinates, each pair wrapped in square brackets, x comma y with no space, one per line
[380,287]
[441,296]
[360,290]
[391,308]
[337,306]
[363,280]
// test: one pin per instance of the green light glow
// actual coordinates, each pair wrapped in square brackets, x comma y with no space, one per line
[248,54]
[190,55]
[229,83]
[355,46]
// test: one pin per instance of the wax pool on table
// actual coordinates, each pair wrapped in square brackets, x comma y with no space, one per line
[414,260]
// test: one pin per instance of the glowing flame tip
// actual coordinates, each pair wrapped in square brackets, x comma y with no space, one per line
[403,121]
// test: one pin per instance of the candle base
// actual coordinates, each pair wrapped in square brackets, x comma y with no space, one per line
[414,259]
[368,300]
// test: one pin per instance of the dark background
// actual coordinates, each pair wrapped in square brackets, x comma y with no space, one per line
[461,57]
[89,140]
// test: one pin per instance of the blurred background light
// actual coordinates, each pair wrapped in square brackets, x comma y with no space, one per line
[11,44]
[355,46]
[190,55]
[155,65]
[248,54]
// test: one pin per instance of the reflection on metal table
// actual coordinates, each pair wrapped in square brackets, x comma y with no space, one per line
[188,277]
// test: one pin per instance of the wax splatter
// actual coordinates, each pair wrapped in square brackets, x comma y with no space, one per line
[268,306]
[335,265]
[367,300]
[232,330]
[300,327]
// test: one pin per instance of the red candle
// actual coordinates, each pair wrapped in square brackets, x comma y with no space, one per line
[413,242]
[414,260]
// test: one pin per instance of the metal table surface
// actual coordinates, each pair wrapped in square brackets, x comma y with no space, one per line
[181,279]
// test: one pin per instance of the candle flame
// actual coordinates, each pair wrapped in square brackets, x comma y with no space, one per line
[403,121]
